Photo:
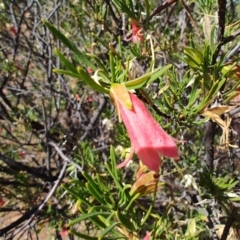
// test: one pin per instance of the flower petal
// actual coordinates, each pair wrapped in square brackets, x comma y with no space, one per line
[147,137]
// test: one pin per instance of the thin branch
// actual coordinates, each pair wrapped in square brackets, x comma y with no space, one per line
[161,7]
[221,28]
[18,166]
[64,157]
[32,213]
[229,223]
[210,127]
[95,117]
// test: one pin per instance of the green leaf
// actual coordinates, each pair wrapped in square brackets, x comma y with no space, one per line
[82,236]
[65,61]
[234,199]
[103,197]
[107,230]
[92,183]
[95,194]
[87,216]
[108,196]
[113,163]
[126,7]
[78,196]
[82,75]
[159,72]
[211,94]
[194,95]
[87,79]
[112,65]
[147,10]
[80,56]
[167,103]
[68,73]
[147,78]
[124,196]
[194,54]
[87,237]
[125,220]
[101,65]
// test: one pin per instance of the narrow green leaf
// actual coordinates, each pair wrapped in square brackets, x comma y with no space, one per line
[108,195]
[82,236]
[68,73]
[112,66]
[147,10]
[80,56]
[194,95]
[125,220]
[115,178]
[86,216]
[87,237]
[78,196]
[99,198]
[194,54]
[234,199]
[212,94]
[124,196]
[82,75]
[93,183]
[132,199]
[113,162]
[146,217]
[101,183]
[107,230]
[166,101]
[65,61]
[99,62]
[122,5]
[87,79]
[147,78]
[190,61]
[160,72]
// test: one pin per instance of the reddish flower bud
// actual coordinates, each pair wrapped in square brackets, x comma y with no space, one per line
[148,139]
[1,202]
[13,30]
[89,70]
[137,36]
[64,231]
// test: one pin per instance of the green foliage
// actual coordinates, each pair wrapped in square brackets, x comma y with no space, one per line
[55,75]
[185,98]
[219,187]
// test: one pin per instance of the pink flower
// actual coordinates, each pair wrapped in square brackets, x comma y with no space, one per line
[137,35]
[148,235]
[148,139]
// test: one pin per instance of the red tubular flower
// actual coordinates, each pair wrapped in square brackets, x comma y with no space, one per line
[148,139]
[137,36]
